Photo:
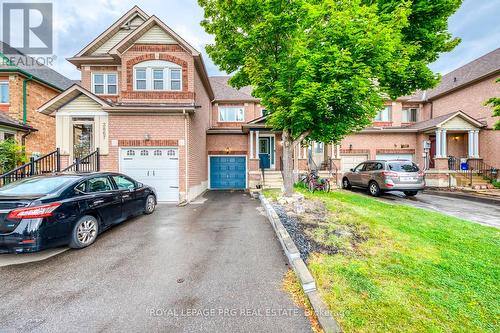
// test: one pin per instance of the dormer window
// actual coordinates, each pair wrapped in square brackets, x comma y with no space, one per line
[104,83]
[157,75]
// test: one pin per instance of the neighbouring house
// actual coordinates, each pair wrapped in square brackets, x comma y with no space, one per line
[25,85]
[146,102]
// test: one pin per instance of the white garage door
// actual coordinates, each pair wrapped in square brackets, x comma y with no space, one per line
[351,161]
[157,167]
[408,157]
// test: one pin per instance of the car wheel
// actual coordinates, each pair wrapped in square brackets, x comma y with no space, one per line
[410,193]
[374,189]
[150,204]
[346,184]
[85,232]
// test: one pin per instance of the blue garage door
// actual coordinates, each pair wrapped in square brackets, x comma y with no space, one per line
[228,172]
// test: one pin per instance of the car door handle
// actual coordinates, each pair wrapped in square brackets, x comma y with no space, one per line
[126,195]
[98,202]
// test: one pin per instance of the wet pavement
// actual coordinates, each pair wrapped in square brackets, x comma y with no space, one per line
[215,266]
[471,210]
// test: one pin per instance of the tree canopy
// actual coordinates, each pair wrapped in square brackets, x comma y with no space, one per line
[323,68]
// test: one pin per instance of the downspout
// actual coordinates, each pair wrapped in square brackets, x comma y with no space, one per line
[25,113]
[23,138]
[186,143]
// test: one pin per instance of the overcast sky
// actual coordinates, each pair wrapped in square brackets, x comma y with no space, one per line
[79,22]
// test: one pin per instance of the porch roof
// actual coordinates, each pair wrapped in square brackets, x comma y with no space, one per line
[448,121]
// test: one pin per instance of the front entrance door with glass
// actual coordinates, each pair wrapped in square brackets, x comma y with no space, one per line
[83,137]
[266,146]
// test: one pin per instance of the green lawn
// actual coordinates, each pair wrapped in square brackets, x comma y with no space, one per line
[404,269]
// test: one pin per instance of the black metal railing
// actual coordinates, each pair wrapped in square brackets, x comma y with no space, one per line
[89,163]
[46,164]
[472,167]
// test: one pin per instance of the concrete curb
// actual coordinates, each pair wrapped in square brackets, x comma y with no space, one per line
[482,198]
[327,322]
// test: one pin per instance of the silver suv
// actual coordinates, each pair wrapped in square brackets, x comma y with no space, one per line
[380,175]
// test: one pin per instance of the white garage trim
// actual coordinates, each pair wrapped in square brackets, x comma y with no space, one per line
[246,168]
[395,156]
[121,155]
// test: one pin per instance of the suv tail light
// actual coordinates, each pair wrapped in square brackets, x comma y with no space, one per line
[33,212]
[421,173]
[389,174]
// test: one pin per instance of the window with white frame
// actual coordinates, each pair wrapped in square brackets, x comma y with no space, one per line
[409,115]
[157,75]
[384,114]
[231,113]
[4,92]
[105,83]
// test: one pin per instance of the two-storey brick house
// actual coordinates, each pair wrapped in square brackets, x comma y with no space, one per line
[25,84]
[144,101]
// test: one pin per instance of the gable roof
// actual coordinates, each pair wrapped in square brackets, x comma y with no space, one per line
[438,121]
[27,66]
[151,22]
[473,71]
[113,29]
[73,92]
[224,92]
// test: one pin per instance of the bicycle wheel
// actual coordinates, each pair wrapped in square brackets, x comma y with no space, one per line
[326,185]
[312,185]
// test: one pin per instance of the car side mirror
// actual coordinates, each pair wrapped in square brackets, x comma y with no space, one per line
[352,170]
[140,185]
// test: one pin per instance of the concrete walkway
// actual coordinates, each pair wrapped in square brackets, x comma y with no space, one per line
[215,266]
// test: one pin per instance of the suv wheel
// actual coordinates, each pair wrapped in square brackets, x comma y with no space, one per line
[410,193]
[346,184]
[374,189]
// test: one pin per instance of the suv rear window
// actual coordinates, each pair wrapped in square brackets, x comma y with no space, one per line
[403,166]
[36,185]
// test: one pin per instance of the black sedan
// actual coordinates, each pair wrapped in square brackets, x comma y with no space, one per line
[67,209]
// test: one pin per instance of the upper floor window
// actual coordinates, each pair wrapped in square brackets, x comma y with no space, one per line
[231,113]
[104,83]
[384,114]
[409,115]
[157,75]
[4,92]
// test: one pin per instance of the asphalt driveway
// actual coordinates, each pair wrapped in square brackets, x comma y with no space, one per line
[478,212]
[214,266]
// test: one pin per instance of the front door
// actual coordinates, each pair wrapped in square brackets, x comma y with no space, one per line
[432,151]
[83,137]
[266,146]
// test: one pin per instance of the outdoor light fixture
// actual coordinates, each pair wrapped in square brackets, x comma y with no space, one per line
[147,137]
[456,138]
[227,150]
[350,146]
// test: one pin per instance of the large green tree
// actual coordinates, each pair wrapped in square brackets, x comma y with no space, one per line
[323,68]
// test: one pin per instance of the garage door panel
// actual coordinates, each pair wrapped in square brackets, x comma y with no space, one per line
[156,167]
[351,161]
[227,172]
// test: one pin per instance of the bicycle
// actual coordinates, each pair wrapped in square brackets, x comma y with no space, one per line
[314,182]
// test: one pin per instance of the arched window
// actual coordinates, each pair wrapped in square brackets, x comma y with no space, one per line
[157,75]
[157,152]
[130,152]
[144,152]
[171,152]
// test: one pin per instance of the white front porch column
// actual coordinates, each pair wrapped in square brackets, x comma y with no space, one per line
[256,144]
[251,144]
[470,144]
[299,151]
[438,143]
[444,142]
[337,153]
[476,144]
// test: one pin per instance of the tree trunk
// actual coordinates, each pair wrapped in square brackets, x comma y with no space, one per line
[288,146]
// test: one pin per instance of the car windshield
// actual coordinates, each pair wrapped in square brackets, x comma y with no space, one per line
[35,186]
[403,166]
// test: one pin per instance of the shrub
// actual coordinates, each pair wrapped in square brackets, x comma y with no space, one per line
[11,155]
